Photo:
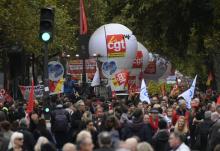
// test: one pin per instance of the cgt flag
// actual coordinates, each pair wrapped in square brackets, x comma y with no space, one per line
[189,94]
[143,93]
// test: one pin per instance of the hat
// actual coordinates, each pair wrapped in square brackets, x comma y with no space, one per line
[154,110]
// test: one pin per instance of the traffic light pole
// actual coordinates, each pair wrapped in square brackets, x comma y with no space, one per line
[46,78]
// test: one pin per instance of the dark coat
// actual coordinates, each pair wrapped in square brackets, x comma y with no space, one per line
[139,129]
[160,141]
[104,149]
[29,140]
[202,132]
[214,136]
[3,143]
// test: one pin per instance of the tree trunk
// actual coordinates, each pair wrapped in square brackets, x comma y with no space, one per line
[216,59]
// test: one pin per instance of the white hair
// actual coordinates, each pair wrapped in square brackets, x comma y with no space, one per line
[144,146]
[41,140]
[69,147]
[14,136]
[83,135]
[131,143]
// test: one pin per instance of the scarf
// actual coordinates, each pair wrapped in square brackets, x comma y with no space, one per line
[154,124]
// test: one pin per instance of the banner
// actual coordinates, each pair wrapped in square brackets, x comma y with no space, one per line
[151,68]
[56,87]
[138,62]
[119,82]
[38,91]
[75,68]
[116,46]
[4,96]
[132,86]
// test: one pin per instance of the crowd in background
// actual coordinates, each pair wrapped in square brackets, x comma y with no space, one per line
[122,124]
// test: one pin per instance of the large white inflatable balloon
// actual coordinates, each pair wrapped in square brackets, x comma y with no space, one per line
[162,67]
[116,45]
[140,63]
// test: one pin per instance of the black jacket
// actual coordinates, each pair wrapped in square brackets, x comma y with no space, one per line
[3,143]
[137,128]
[160,141]
[29,140]
[104,149]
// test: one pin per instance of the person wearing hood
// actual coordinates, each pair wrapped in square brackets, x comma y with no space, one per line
[160,139]
[137,128]
[60,120]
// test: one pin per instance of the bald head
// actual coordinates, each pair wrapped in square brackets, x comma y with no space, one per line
[69,147]
[131,143]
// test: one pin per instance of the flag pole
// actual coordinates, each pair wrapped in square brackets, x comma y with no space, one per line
[106,47]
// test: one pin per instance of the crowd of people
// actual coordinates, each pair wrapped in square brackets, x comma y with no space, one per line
[121,124]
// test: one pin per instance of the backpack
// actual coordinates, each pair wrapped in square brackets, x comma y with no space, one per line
[61,122]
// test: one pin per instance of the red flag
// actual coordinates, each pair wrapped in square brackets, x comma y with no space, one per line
[83,19]
[30,105]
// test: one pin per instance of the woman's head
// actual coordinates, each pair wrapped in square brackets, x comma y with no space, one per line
[17,140]
[181,125]
[181,122]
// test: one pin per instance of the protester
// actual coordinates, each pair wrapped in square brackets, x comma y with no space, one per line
[176,142]
[69,147]
[137,128]
[105,142]
[6,129]
[144,147]
[16,142]
[29,140]
[84,141]
[131,143]
[41,140]
[202,132]
[60,125]
[160,139]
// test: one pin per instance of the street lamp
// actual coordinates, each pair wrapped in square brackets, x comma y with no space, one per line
[77,55]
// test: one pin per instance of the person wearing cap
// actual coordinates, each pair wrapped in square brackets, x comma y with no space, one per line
[154,119]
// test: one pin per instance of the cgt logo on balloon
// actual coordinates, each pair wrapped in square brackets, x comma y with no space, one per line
[116,45]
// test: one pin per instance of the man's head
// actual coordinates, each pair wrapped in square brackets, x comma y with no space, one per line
[175,139]
[104,139]
[131,144]
[69,147]
[144,146]
[84,141]
[182,104]
[85,145]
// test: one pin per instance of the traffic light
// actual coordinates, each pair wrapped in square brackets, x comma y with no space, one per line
[46,24]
